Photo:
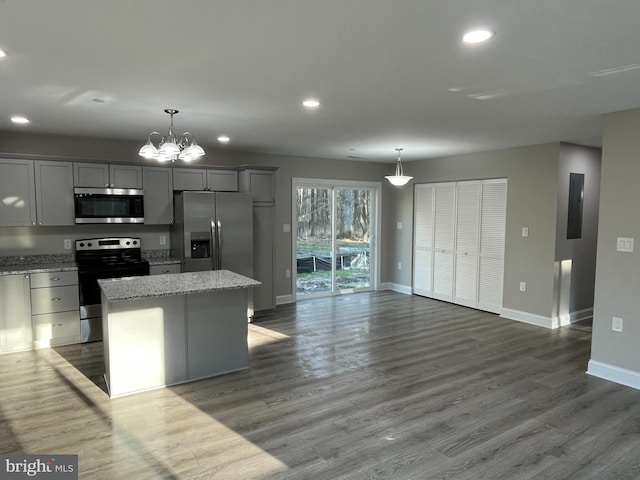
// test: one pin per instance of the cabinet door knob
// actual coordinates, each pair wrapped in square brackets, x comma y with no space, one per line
[106,185]
[33,223]
[57,299]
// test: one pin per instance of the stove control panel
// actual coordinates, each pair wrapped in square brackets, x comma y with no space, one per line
[107,243]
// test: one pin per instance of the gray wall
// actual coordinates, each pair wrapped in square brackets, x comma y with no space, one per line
[532,174]
[576,258]
[50,239]
[617,273]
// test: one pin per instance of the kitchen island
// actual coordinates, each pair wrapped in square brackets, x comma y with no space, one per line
[168,329]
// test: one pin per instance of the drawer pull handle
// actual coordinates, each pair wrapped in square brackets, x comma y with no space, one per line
[55,279]
[57,325]
[57,299]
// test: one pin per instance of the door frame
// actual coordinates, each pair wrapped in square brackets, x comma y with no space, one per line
[376,220]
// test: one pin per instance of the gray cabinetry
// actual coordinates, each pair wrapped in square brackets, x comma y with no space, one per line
[158,195]
[260,182]
[55,308]
[54,193]
[164,269]
[202,179]
[15,313]
[17,190]
[101,175]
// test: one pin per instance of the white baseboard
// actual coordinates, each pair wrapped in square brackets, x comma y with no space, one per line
[526,317]
[547,322]
[396,287]
[284,299]
[630,378]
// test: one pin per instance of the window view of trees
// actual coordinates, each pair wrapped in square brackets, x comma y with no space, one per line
[315,257]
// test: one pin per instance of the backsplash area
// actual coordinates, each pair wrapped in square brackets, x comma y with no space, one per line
[33,241]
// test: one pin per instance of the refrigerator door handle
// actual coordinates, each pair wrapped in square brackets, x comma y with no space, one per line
[214,245]
[219,242]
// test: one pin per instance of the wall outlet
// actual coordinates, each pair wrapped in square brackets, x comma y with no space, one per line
[399,265]
[399,226]
[525,231]
[286,227]
[616,324]
[523,286]
[287,273]
[163,240]
[624,244]
[67,244]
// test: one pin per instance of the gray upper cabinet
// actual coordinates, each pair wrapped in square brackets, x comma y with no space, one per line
[260,183]
[17,191]
[205,179]
[158,195]
[125,176]
[222,180]
[54,193]
[102,175]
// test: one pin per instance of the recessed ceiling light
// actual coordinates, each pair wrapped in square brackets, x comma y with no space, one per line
[2,53]
[311,103]
[478,36]
[223,139]
[20,120]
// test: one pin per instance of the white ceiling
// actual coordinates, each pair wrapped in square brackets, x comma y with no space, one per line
[383,70]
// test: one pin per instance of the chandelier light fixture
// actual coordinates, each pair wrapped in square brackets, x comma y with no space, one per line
[171,147]
[399,179]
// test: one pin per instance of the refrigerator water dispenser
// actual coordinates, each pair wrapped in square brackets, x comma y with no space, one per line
[200,245]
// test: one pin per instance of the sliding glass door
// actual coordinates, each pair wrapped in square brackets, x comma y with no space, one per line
[334,237]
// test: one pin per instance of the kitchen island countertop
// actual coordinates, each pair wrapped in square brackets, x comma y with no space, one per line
[121,289]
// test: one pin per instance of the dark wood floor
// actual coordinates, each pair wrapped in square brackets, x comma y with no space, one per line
[371,385]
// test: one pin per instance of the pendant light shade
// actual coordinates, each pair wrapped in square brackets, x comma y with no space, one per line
[399,179]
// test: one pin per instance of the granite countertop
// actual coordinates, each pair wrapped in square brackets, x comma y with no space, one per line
[37,264]
[159,257]
[120,289]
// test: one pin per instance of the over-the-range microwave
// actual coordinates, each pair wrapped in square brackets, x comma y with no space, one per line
[109,205]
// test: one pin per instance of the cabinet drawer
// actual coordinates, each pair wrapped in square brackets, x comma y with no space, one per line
[54,299]
[161,269]
[53,279]
[56,328]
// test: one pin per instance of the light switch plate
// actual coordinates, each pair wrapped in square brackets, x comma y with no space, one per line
[399,226]
[616,324]
[286,227]
[523,286]
[525,231]
[624,244]
[67,244]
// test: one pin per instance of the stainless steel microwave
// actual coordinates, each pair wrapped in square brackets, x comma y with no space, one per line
[109,205]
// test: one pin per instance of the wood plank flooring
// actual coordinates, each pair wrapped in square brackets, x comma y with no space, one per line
[367,386]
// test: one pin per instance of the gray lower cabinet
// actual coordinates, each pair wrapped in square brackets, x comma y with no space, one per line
[17,190]
[158,195]
[264,297]
[15,313]
[164,269]
[55,308]
[54,193]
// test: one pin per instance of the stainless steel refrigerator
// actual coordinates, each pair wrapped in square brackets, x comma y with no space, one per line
[213,231]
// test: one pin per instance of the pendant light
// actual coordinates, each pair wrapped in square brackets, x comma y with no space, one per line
[399,179]
[171,147]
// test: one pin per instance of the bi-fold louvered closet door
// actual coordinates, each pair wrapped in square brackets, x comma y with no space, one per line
[458,253]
